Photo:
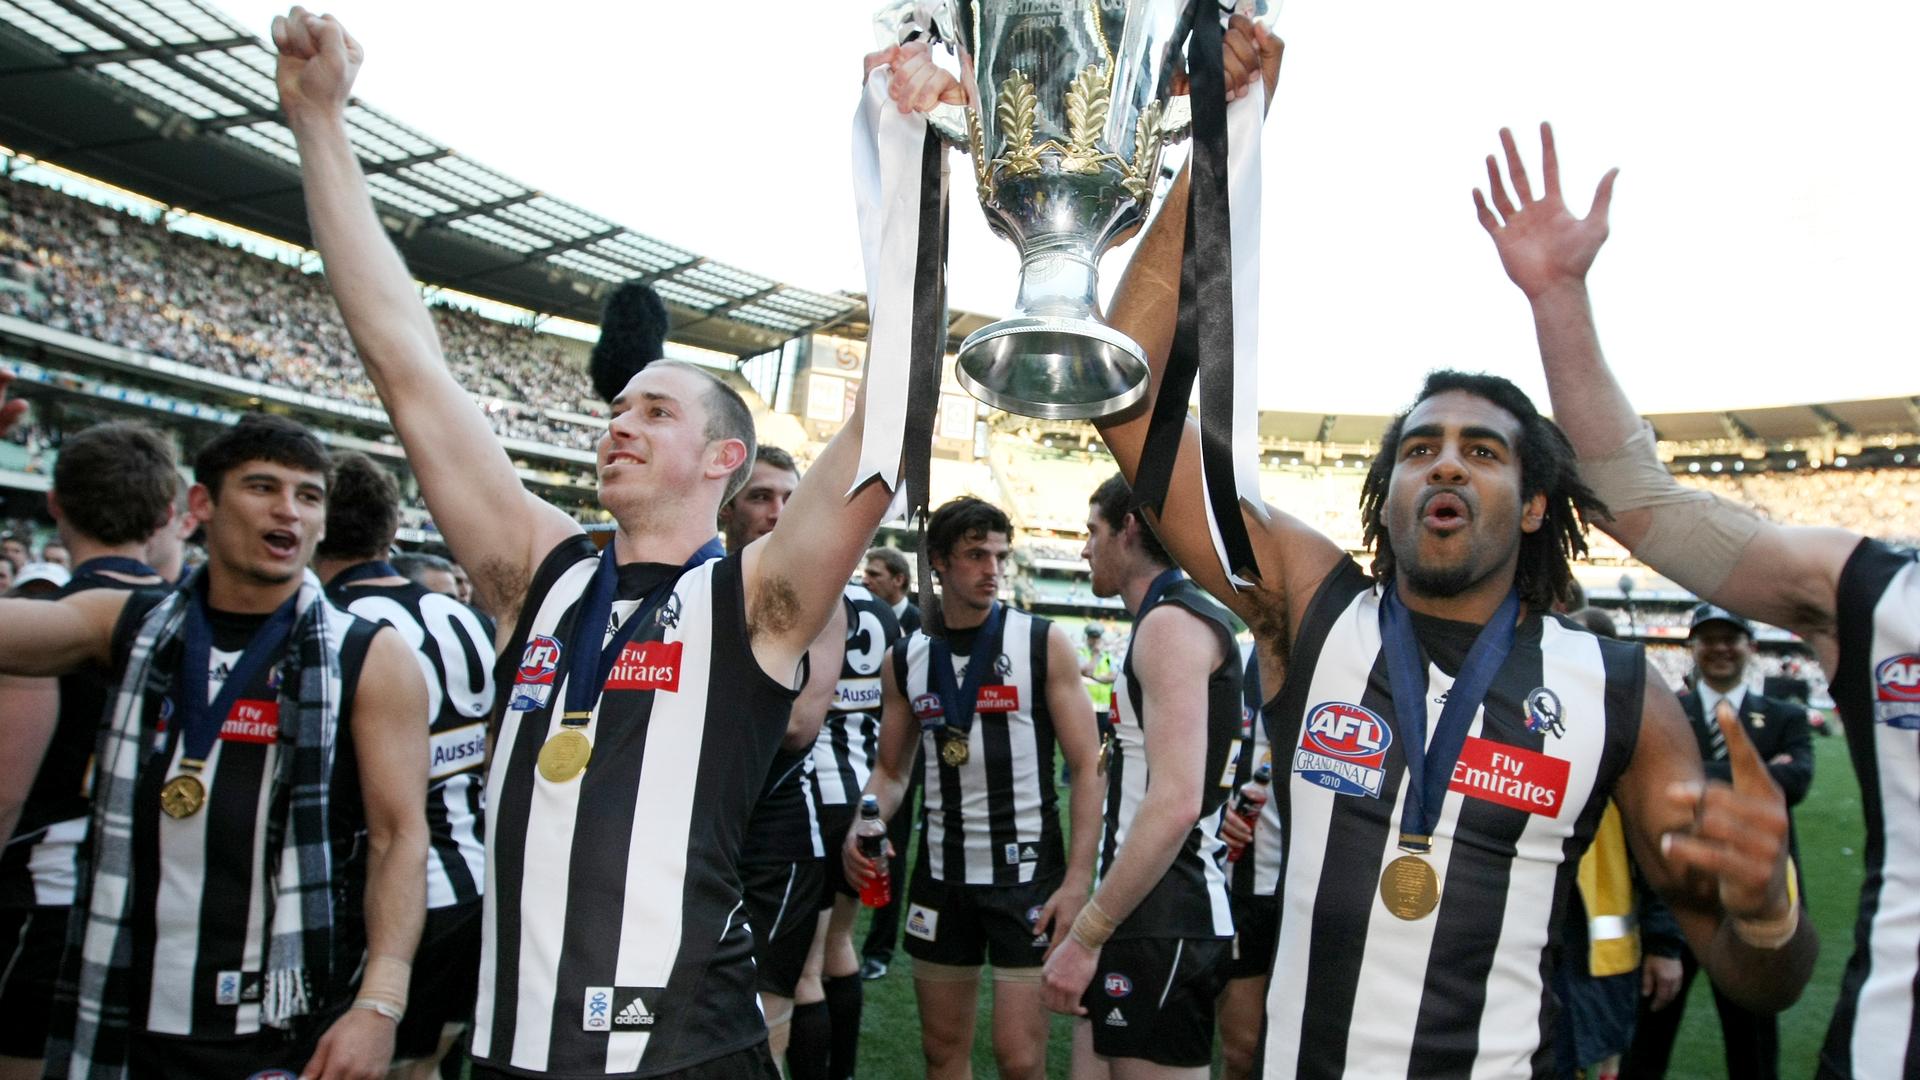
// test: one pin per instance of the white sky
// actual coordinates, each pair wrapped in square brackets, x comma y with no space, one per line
[1763,227]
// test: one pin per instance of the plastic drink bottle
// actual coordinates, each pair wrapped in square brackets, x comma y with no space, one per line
[872,834]
[1250,800]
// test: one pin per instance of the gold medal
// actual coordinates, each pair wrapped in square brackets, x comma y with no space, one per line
[1106,752]
[564,755]
[183,796]
[954,751]
[1409,888]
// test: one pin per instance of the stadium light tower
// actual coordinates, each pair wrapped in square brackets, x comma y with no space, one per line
[1626,593]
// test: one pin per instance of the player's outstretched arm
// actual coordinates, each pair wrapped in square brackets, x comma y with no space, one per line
[1173,650]
[29,712]
[1717,852]
[390,742]
[54,637]
[1785,576]
[497,529]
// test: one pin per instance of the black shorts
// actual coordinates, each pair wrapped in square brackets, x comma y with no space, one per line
[967,925]
[446,979]
[1153,999]
[30,943]
[783,903]
[1256,932]
[753,1063]
[834,823]
[268,1054]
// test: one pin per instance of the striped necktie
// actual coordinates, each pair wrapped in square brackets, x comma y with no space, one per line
[1717,720]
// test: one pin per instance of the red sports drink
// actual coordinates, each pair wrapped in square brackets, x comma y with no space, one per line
[872,833]
[1250,801]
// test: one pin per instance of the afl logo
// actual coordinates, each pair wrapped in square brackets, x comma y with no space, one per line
[1118,985]
[1898,677]
[1348,731]
[539,662]
[1544,713]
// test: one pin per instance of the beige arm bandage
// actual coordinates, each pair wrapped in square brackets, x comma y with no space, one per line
[383,987]
[1693,537]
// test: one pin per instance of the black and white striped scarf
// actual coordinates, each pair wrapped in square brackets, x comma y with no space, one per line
[92,1012]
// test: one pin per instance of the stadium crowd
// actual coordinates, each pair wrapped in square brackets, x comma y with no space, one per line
[117,278]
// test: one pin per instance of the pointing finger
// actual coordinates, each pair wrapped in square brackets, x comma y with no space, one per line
[1750,774]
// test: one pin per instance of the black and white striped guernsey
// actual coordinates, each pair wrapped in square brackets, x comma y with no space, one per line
[850,737]
[1190,899]
[614,939]
[1359,992]
[992,820]
[1876,1029]
[454,646]
[1258,871]
[38,865]
[199,904]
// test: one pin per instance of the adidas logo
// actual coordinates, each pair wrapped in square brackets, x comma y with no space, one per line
[634,1015]
[1114,1019]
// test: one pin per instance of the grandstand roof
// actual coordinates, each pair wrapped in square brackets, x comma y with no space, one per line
[171,99]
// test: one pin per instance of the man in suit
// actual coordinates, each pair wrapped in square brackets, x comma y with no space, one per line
[1722,646]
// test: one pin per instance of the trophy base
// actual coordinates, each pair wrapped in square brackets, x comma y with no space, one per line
[1053,368]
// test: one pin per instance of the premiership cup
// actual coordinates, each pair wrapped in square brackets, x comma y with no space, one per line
[1070,109]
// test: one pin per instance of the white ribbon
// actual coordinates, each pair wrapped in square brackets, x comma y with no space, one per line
[887,147]
[1244,119]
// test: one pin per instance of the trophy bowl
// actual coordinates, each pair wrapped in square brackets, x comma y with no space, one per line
[1070,108]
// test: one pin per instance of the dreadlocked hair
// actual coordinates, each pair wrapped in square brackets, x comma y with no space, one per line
[1547,466]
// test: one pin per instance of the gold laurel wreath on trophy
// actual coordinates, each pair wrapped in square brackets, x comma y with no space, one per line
[1088,105]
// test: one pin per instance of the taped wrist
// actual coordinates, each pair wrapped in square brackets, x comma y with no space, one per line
[1092,927]
[1773,933]
[383,987]
[1693,537]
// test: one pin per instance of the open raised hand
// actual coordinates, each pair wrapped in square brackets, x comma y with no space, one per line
[1541,244]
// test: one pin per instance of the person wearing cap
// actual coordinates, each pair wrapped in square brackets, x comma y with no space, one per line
[1722,647]
[1096,666]
[40,580]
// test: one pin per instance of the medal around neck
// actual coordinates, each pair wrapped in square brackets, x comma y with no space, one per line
[954,751]
[1409,888]
[183,796]
[564,755]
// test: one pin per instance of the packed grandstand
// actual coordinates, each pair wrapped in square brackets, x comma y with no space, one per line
[117,300]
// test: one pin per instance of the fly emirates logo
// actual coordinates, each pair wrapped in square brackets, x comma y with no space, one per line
[647,665]
[1511,776]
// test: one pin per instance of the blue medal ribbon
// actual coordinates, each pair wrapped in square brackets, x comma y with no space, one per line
[588,667]
[366,571]
[1166,579]
[1430,768]
[114,564]
[959,701]
[200,719]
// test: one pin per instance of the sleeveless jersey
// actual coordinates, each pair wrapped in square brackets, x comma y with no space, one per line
[785,826]
[843,755]
[992,820]
[614,939]
[1876,1029]
[199,904]
[1258,871]
[1359,992]
[38,867]
[1190,899]
[454,646]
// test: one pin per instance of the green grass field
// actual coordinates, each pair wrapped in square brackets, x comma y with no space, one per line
[1831,836]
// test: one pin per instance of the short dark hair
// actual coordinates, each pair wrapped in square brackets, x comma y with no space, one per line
[414,565]
[363,509]
[260,437]
[1547,467]
[116,481]
[962,518]
[727,418]
[893,559]
[1113,501]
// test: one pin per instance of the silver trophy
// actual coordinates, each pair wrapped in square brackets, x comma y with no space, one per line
[1071,109]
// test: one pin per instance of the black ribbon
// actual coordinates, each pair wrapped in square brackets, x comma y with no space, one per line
[1203,333]
[928,343]
[587,666]
[200,719]
[959,702]
[1163,581]
[1430,768]
[114,564]
[366,571]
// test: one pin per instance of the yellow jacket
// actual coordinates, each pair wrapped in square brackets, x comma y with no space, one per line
[1605,880]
